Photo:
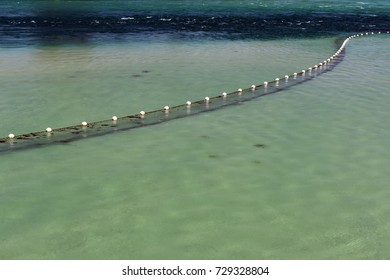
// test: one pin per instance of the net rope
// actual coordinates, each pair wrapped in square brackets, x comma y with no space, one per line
[142,119]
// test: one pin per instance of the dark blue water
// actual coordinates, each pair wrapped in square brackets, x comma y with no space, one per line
[29,22]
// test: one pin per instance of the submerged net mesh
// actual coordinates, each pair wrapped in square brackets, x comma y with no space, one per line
[85,130]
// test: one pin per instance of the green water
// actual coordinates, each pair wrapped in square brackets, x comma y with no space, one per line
[65,85]
[302,174]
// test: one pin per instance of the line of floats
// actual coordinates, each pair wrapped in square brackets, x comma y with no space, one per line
[85,129]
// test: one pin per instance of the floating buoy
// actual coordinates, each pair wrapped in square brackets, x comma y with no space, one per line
[90,128]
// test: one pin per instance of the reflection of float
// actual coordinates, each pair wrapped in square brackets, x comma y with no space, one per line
[84,130]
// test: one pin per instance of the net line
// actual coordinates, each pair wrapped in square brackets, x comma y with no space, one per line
[142,119]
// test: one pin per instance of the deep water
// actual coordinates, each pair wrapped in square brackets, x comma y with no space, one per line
[30,21]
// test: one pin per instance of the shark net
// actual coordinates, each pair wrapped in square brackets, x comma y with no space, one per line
[115,124]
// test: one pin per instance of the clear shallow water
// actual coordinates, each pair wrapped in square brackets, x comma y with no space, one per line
[302,174]
[96,82]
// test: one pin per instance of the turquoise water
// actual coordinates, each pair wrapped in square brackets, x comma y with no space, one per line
[300,174]
[228,6]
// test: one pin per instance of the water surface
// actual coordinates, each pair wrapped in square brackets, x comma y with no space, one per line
[301,174]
